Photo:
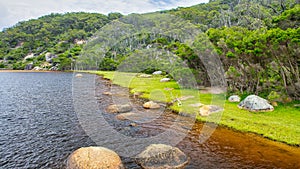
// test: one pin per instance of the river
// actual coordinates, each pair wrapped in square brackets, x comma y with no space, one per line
[39,128]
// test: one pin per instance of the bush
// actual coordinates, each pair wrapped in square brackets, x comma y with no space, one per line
[108,64]
[273,96]
[2,66]
[184,77]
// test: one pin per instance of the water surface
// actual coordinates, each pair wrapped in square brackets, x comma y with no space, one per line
[38,126]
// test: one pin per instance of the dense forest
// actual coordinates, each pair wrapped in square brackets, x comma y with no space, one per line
[256,40]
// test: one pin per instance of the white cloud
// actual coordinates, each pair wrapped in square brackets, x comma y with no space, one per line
[13,11]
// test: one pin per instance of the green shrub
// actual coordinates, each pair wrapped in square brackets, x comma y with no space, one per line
[108,64]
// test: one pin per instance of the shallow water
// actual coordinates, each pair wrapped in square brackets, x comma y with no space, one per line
[39,128]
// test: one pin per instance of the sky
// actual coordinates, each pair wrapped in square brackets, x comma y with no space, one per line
[13,11]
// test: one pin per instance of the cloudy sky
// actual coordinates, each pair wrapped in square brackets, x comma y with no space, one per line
[13,11]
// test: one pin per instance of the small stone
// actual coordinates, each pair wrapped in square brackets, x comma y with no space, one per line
[94,158]
[157,73]
[287,100]
[296,105]
[137,94]
[234,98]
[133,124]
[125,116]
[275,104]
[118,108]
[121,117]
[145,76]
[37,68]
[151,105]
[207,110]
[165,80]
[107,93]
[79,75]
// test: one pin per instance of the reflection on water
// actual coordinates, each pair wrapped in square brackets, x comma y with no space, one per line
[39,129]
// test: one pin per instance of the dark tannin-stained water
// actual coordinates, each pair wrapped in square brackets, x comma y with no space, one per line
[39,128]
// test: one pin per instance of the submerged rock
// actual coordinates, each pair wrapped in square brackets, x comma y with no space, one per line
[234,98]
[94,158]
[165,80]
[161,156]
[207,110]
[107,93]
[119,108]
[151,105]
[128,116]
[255,103]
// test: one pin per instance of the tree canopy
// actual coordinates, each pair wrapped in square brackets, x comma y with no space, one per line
[257,42]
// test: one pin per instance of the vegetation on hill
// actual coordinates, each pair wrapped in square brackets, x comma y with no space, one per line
[62,35]
[256,40]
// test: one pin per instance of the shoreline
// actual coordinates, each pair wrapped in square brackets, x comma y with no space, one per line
[264,133]
[256,141]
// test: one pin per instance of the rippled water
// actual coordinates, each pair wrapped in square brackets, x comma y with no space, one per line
[39,128]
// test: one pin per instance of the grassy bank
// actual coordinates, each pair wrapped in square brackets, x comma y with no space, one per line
[283,124]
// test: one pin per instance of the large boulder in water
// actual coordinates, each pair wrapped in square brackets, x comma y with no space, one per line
[255,103]
[94,158]
[161,156]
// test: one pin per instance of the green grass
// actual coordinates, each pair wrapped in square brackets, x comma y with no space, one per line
[283,124]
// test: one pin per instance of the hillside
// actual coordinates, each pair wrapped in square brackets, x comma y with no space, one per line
[59,35]
[256,40]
